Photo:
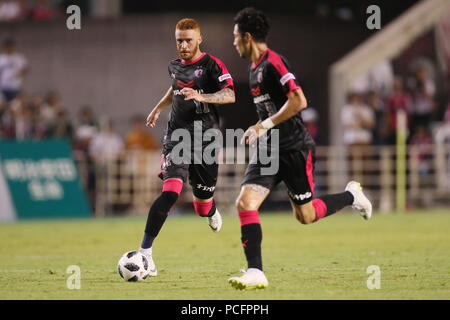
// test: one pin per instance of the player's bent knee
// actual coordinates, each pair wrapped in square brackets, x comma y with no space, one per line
[305,216]
[244,204]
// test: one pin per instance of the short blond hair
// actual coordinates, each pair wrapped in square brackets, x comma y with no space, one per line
[187,24]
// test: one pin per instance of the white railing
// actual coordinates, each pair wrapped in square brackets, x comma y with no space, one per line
[130,183]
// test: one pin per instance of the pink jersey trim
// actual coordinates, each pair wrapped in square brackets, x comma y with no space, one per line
[224,70]
[275,59]
[193,61]
[309,171]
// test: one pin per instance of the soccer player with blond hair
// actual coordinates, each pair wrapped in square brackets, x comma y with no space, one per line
[200,82]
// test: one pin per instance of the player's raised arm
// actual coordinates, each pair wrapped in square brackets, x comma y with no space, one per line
[223,96]
[162,104]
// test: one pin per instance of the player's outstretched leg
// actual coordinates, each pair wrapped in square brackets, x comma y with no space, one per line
[248,203]
[207,208]
[327,205]
[157,216]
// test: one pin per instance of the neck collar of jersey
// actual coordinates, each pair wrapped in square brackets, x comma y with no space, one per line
[193,61]
[254,65]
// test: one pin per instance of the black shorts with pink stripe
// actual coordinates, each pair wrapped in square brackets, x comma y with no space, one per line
[202,177]
[295,170]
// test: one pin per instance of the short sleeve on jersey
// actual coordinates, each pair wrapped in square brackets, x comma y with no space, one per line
[281,73]
[220,74]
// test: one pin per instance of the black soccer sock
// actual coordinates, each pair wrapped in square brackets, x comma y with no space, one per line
[251,241]
[331,203]
[157,216]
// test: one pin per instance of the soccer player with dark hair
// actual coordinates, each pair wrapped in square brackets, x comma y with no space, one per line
[200,81]
[279,99]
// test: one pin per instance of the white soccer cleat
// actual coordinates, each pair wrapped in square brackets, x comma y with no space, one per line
[251,279]
[152,271]
[360,203]
[215,221]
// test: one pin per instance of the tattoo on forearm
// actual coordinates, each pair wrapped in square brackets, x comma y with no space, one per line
[221,96]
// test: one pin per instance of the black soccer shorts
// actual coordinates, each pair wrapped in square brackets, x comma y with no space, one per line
[295,170]
[202,176]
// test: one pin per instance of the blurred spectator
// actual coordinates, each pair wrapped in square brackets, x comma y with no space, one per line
[379,79]
[13,67]
[23,118]
[106,145]
[358,120]
[423,141]
[310,117]
[398,100]
[447,114]
[7,122]
[423,70]
[42,11]
[379,130]
[62,128]
[138,138]
[87,128]
[423,106]
[48,115]
[12,10]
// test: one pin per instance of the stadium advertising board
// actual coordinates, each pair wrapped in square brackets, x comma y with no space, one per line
[39,179]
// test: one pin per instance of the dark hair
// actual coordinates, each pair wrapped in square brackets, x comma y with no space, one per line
[9,41]
[254,22]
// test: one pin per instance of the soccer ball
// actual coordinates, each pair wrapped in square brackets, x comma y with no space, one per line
[133,266]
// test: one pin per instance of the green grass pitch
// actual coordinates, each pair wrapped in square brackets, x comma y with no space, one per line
[325,260]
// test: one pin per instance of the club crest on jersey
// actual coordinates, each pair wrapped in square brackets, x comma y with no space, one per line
[259,77]
[198,73]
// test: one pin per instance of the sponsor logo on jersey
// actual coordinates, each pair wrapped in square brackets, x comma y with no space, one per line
[301,197]
[262,98]
[224,77]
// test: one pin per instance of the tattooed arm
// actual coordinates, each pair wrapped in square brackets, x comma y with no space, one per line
[223,96]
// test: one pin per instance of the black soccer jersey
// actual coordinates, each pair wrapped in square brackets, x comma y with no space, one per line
[206,74]
[271,79]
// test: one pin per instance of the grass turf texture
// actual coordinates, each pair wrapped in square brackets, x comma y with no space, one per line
[325,260]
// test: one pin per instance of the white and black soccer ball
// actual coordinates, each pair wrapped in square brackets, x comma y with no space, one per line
[133,266]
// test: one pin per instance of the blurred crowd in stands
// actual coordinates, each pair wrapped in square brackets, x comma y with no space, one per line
[35,10]
[24,116]
[370,115]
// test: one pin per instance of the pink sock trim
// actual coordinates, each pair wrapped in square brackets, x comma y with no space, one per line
[249,217]
[173,185]
[202,208]
[320,207]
